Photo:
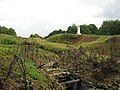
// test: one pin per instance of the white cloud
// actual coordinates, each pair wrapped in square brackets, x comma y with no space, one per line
[44,16]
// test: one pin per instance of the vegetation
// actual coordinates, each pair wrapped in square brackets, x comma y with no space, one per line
[79,40]
[72,29]
[33,62]
[110,27]
[56,32]
[97,66]
[85,29]
[88,29]
[34,36]
[8,40]
[49,46]
[63,38]
[20,66]
[9,31]
[93,29]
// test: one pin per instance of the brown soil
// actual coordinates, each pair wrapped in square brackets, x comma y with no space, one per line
[78,40]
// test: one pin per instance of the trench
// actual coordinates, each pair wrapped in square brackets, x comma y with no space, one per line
[68,81]
[72,83]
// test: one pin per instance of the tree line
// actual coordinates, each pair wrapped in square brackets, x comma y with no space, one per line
[108,27]
[9,31]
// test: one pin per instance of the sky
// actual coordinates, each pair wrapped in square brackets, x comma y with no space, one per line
[44,16]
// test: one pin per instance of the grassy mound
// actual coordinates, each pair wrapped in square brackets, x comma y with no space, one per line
[98,41]
[114,39]
[38,51]
[28,50]
[101,40]
[49,46]
[63,38]
[71,38]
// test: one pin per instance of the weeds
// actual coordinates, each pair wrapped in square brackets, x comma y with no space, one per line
[93,64]
[23,56]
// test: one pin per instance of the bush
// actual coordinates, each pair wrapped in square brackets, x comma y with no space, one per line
[8,31]
[8,41]
[35,36]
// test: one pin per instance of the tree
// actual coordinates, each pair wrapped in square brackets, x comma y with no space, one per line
[85,29]
[10,31]
[93,29]
[60,31]
[34,36]
[72,29]
[110,27]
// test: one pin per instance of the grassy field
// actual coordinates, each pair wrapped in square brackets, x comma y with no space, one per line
[83,40]
[38,51]
[35,57]
[63,38]
[99,40]
[50,46]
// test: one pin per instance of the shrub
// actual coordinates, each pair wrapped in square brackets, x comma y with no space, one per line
[8,41]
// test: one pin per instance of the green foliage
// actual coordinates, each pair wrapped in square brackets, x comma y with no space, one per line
[87,63]
[56,47]
[92,64]
[10,31]
[56,32]
[49,46]
[55,38]
[63,38]
[93,29]
[35,74]
[85,29]
[72,29]
[23,52]
[34,36]
[97,42]
[8,40]
[110,27]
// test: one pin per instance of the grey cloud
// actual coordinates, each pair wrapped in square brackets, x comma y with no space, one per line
[112,11]
[99,3]
[110,8]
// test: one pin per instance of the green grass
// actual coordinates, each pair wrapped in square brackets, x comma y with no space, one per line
[100,40]
[9,43]
[46,45]
[9,40]
[57,37]
[34,74]
[50,44]
[63,38]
